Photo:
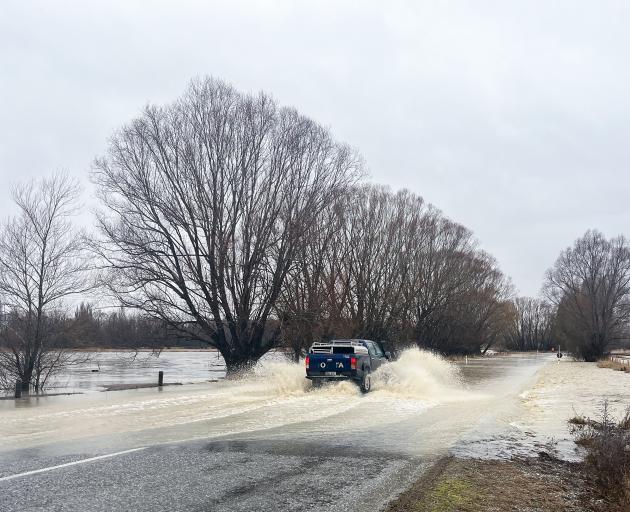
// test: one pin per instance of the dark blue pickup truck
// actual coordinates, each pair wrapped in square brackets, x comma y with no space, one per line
[345,360]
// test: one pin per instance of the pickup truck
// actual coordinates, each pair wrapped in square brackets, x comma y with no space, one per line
[345,360]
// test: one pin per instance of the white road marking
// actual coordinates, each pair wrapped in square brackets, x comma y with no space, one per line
[83,461]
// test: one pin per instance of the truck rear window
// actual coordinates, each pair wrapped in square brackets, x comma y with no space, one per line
[343,350]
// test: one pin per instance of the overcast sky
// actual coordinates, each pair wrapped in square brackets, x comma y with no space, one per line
[510,116]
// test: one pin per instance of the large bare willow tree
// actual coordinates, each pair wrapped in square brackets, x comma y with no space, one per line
[206,202]
[590,287]
[42,264]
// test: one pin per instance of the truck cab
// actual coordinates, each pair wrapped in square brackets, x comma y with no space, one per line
[353,359]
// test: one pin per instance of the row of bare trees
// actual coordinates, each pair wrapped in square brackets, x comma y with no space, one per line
[228,219]
[531,326]
[241,223]
[387,266]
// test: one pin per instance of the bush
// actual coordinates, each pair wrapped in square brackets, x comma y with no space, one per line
[607,445]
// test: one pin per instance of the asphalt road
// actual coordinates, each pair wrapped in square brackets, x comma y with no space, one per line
[212,476]
[282,450]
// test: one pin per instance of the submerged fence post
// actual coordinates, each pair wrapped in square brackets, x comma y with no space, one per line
[160,378]
[18,389]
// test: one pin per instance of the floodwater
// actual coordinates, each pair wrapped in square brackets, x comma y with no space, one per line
[421,404]
[100,370]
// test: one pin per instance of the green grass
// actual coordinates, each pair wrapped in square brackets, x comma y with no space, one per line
[449,495]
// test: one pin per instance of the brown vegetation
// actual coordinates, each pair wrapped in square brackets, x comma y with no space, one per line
[613,364]
[467,485]
[607,445]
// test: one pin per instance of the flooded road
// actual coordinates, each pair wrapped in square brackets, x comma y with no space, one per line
[270,441]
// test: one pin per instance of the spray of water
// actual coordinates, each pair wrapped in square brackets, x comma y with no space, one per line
[416,374]
[419,374]
[282,378]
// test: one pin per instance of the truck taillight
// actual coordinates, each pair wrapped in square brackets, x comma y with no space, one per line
[353,363]
[307,361]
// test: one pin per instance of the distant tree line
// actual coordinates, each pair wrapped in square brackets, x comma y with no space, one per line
[118,329]
[531,325]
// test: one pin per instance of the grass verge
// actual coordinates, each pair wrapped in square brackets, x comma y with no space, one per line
[541,484]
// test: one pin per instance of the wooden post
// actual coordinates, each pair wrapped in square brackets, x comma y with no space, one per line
[160,378]
[18,389]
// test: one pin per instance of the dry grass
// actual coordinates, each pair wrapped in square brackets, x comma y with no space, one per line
[580,421]
[613,365]
[465,485]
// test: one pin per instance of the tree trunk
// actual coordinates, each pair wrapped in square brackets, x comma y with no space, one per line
[26,377]
[238,364]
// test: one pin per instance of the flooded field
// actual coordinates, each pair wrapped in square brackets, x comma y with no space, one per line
[101,370]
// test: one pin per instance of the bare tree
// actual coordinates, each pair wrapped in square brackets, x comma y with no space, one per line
[41,265]
[206,203]
[590,286]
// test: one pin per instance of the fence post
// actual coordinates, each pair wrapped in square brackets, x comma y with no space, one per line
[18,389]
[160,378]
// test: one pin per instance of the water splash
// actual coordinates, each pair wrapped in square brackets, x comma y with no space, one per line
[416,374]
[419,374]
[283,378]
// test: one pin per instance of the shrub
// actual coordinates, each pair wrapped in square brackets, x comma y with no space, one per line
[607,445]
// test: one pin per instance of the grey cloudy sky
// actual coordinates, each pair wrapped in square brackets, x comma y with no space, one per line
[510,116]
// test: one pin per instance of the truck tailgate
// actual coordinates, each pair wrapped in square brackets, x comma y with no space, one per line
[329,364]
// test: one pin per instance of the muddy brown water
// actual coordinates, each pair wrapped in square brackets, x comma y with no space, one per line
[421,404]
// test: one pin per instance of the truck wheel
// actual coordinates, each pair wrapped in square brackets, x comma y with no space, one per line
[317,383]
[366,381]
